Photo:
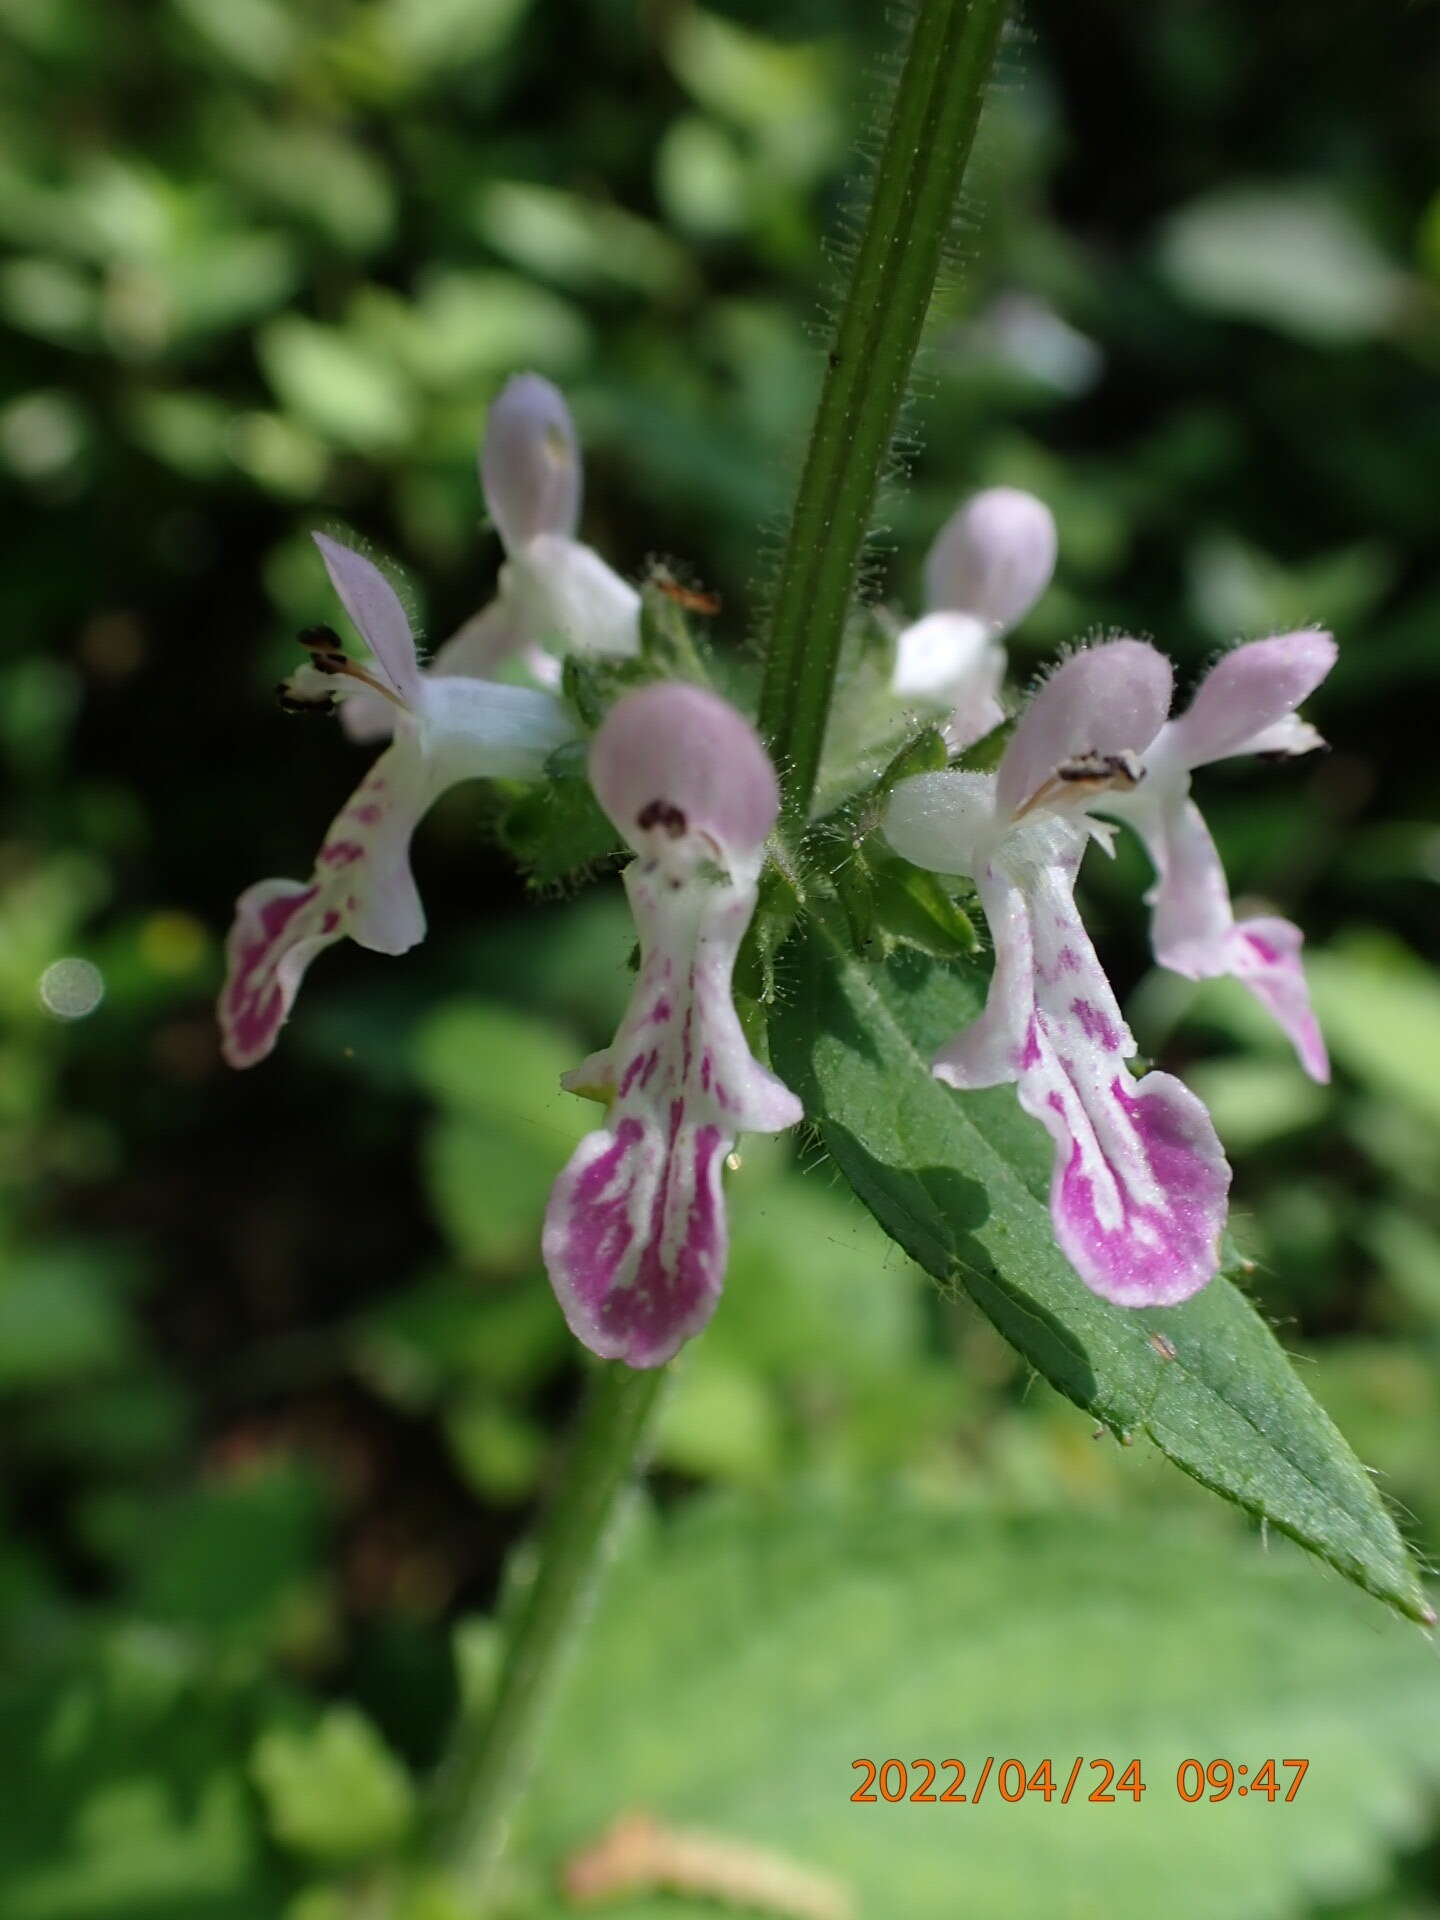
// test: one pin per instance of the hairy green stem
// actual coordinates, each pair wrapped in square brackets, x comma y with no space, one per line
[491,1759]
[931,129]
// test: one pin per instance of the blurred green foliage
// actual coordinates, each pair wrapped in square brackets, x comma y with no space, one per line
[280,1377]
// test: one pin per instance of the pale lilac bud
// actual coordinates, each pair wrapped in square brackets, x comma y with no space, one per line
[993,558]
[530,462]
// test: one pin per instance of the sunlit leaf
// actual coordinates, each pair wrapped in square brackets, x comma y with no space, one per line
[791,1638]
[333,1791]
[960,1180]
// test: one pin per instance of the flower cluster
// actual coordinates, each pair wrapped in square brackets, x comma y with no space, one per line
[634,1236]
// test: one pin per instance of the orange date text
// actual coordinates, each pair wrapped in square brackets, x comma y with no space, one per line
[1096,1782]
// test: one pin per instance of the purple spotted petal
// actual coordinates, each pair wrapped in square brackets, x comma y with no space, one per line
[635,1234]
[1193,928]
[1264,955]
[1250,691]
[672,761]
[1139,1192]
[361,887]
[636,1231]
[373,604]
[279,928]
[1111,699]
[1138,1196]
[530,462]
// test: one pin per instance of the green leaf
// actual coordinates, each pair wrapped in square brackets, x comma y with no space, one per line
[236,1559]
[333,1791]
[960,1181]
[577,241]
[123,1795]
[336,385]
[59,1319]
[1380,1009]
[912,905]
[790,1639]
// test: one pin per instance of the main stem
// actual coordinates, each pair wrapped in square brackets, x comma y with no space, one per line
[490,1762]
[931,130]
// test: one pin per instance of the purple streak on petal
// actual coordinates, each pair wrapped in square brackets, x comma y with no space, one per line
[1138,1191]
[1031,1055]
[1250,690]
[1107,700]
[1264,955]
[1194,932]
[275,935]
[635,1237]
[636,1228]
[1095,1026]
[361,886]
[374,606]
[530,462]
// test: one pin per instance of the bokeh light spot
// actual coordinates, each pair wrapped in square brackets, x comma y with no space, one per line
[71,988]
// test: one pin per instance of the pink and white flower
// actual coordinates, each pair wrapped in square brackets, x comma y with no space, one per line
[635,1236]
[446,729]
[555,594]
[1246,704]
[987,567]
[1138,1194]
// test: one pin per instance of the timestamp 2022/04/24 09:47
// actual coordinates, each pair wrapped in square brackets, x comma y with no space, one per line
[950,1783]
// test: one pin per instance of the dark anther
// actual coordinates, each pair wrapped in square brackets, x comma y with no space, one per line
[324,648]
[1114,769]
[660,813]
[320,702]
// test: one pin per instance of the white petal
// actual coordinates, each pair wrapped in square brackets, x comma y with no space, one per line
[936,658]
[567,600]
[943,821]
[487,729]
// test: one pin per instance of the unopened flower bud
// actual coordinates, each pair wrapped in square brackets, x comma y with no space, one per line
[530,462]
[993,558]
